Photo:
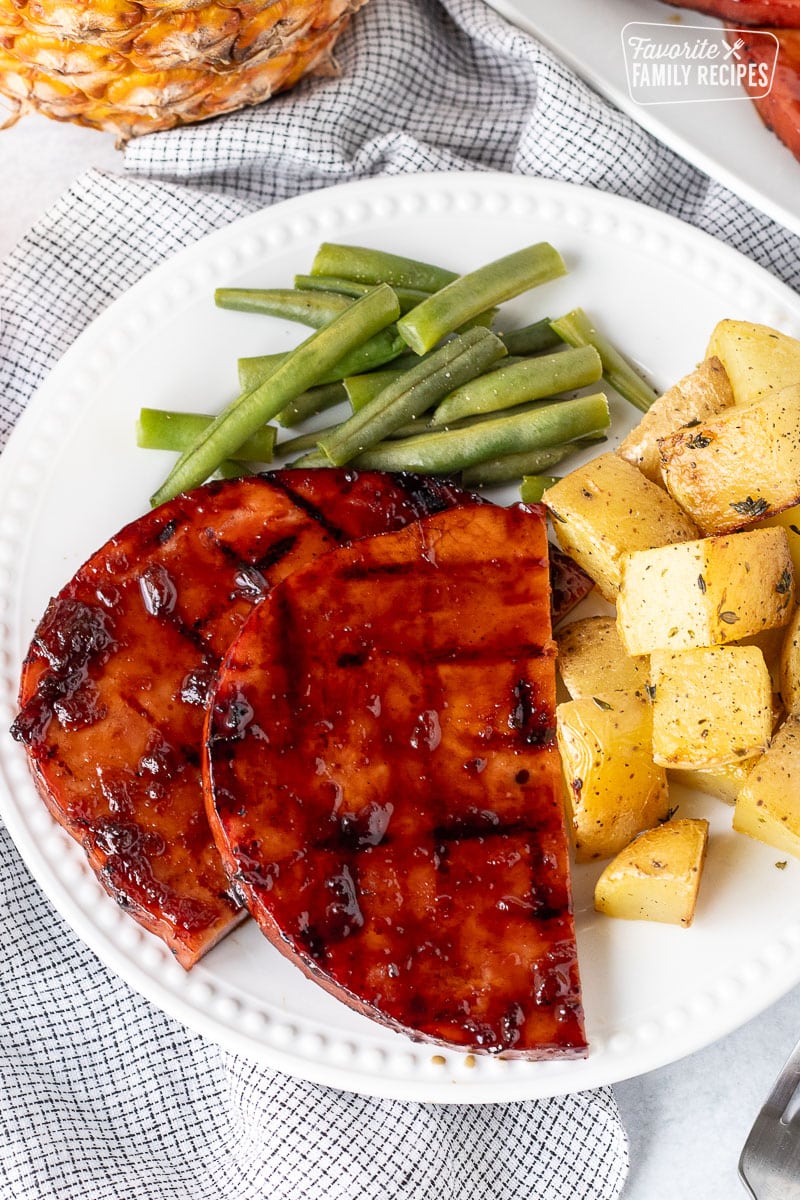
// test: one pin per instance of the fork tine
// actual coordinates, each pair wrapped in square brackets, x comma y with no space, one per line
[769,1165]
[785,1085]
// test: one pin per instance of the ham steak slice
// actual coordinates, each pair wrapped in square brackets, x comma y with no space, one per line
[116,679]
[383,782]
[784,13]
[780,108]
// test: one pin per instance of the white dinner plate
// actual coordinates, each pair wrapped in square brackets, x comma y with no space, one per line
[72,475]
[726,139]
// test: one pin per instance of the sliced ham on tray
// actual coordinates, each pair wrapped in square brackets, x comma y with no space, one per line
[384,785]
[115,682]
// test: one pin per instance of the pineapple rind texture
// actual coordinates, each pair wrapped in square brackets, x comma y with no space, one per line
[135,68]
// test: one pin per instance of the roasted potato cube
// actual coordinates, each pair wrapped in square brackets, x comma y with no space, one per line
[701,394]
[656,877]
[768,805]
[592,659]
[711,706]
[724,782]
[790,665]
[705,593]
[606,509]
[734,469]
[614,789]
[756,358]
[788,519]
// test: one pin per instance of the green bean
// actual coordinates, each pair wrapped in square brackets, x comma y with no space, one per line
[231,469]
[304,441]
[576,329]
[531,379]
[378,266]
[384,347]
[308,307]
[253,371]
[424,423]
[528,462]
[301,368]
[361,389]
[476,291]
[413,393]
[533,487]
[310,403]
[158,429]
[407,297]
[531,339]
[315,458]
[456,449]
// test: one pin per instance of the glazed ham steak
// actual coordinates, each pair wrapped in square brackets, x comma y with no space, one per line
[115,682]
[383,782]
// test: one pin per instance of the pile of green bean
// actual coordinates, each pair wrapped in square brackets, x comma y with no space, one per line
[410,348]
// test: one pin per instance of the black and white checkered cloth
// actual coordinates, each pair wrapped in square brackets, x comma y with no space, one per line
[101,1096]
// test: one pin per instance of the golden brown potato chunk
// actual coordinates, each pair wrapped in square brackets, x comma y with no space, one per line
[711,706]
[724,782]
[592,659]
[732,470]
[756,358]
[768,805]
[788,519]
[614,788]
[790,665]
[705,592]
[656,877]
[606,509]
[701,394]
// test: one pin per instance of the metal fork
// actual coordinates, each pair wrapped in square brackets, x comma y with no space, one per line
[769,1165]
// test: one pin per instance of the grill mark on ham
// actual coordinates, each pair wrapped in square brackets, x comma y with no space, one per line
[311,509]
[115,682]
[392,813]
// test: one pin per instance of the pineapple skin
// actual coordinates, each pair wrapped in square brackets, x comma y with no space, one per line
[134,68]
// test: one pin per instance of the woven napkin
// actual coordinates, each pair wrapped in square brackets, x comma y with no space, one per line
[102,1097]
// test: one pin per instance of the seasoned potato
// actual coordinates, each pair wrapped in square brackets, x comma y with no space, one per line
[723,782]
[788,519]
[607,508]
[770,643]
[768,805]
[705,593]
[614,788]
[701,394]
[734,469]
[757,359]
[592,659]
[790,665]
[656,877]
[711,706]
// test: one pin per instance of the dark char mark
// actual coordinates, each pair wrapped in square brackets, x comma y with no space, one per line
[311,510]
[428,496]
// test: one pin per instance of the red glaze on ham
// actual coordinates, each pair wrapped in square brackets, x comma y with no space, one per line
[780,108]
[784,13]
[116,679]
[383,782]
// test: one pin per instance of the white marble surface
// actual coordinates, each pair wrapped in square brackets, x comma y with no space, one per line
[686,1122]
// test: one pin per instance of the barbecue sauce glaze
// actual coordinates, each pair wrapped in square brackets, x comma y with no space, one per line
[383,782]
[116,679]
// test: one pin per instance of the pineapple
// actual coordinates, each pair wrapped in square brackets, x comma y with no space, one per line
[134,68]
